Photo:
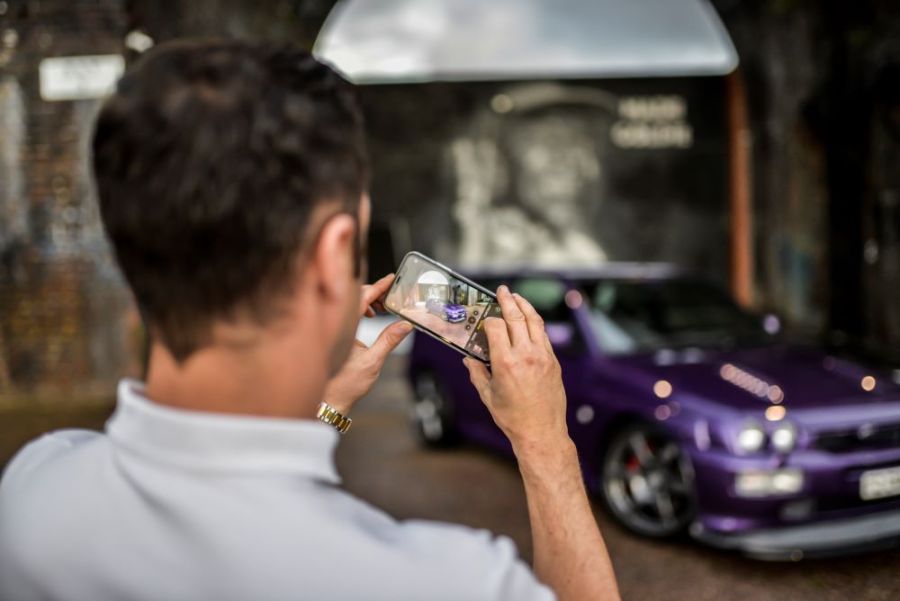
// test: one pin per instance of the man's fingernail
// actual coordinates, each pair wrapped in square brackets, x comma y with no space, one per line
[406,326]
[503,289]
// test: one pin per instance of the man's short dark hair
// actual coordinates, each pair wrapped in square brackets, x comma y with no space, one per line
[209,160]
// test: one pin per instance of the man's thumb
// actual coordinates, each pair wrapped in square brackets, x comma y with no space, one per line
[389,338]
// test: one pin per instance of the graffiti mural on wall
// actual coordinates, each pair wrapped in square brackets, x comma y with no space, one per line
[552,173]
[527,172]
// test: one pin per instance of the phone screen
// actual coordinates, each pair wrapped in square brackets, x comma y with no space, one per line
[443,304]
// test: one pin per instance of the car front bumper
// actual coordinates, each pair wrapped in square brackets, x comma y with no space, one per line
[826,516]
[822,539]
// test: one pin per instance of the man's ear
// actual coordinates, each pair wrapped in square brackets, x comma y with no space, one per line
[333,258]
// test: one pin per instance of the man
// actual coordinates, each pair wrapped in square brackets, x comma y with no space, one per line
[232,185]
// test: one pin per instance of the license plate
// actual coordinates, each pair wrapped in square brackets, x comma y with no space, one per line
[877,484]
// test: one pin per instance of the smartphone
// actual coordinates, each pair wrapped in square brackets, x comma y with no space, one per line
[443,304]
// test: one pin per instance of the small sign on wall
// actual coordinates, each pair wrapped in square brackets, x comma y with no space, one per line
[80,77]
[651,122]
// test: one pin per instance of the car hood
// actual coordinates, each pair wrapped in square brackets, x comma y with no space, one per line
[747,378]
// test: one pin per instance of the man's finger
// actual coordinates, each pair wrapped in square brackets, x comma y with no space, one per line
[481,378]
[373,292]
[378,288]
[388,340]
[513,316]
[548,344]
[534,321]
[497,336]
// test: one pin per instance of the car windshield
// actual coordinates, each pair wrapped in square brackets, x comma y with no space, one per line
[632,316]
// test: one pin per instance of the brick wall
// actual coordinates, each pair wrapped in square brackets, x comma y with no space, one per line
[65,315]
[68,327]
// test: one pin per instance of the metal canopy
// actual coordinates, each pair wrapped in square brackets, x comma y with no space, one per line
[394,41]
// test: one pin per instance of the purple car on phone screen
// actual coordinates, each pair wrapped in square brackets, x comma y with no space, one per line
[689,416]
[446,311]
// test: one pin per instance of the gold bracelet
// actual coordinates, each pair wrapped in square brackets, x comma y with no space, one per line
[333,417]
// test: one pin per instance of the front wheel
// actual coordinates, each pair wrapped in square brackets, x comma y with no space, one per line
[432,412]
[648,482]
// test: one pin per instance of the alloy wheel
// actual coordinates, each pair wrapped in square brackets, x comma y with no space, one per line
[648,482]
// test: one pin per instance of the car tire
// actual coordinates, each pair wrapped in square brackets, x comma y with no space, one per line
[432,413]
[647,483]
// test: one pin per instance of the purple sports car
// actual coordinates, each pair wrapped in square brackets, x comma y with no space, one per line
[446,311]
[690,417]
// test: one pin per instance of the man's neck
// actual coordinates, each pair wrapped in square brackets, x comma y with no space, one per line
[268,382]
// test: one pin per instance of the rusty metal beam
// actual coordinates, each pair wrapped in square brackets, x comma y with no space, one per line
[740,191]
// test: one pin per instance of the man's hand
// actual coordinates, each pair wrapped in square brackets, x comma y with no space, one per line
[364,364]
[525,393]
[526,398]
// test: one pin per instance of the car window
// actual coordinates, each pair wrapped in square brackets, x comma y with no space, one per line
[631,316]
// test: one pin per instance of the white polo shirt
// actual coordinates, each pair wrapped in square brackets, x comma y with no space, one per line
[174,505]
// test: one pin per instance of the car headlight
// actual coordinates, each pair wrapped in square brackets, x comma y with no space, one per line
[784,437]
[751,438]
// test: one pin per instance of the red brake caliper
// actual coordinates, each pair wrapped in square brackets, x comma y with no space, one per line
[632,465]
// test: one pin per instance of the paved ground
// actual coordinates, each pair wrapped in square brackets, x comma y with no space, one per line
[381,462]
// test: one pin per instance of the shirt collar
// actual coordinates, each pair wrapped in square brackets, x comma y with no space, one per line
[220,442]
